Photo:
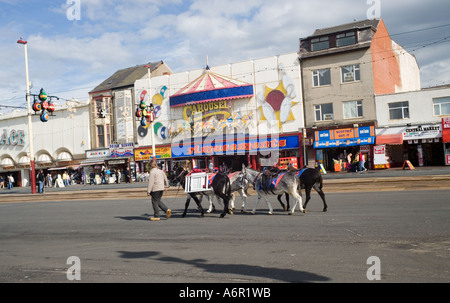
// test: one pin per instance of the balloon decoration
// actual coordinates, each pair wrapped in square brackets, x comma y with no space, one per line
[147,112]
[43,104]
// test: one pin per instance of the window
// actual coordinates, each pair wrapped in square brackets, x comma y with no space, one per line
[318,44]
[350,73]
[345,39]
[441,106]
[321,77]
[399,110]
[353,109]
[101,135]
[324,112]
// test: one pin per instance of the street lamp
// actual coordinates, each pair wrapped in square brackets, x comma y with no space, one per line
[151,112]
[30,124]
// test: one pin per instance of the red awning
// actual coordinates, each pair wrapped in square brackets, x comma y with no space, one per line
[390,139]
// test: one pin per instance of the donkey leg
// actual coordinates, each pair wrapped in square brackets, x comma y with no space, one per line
[211,204]
[225,207]
[281,202]
[322,195]
[232,201]
[199,206]
[186,205]
[257,202]
[298,199]
[269,205]
[244,200]
[308,196]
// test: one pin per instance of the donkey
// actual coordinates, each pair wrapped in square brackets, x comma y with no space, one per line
[285,183]
[238,184]
[309,178]
[220,187]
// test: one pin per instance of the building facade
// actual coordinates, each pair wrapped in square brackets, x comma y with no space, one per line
[112,126]
[343,68]
[59,144]
[247,113]
[412,126]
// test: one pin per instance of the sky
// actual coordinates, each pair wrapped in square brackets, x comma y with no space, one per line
[74,45]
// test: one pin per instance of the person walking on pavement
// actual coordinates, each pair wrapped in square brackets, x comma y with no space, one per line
[157,183]
[40,179]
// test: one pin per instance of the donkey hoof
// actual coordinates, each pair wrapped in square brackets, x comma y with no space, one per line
[324,210]
[202,215]
[183,215]
[222,215]
[304,211]
[270,213]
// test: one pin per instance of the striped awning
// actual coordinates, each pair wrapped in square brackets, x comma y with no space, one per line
[211,87]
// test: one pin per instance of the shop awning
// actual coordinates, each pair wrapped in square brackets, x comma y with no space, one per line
[393,139]
[211,87]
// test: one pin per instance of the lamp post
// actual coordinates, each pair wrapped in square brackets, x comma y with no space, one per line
[151,112]
[30,124]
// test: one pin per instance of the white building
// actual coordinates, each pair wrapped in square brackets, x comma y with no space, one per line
[411,125]
[231,111]
[59,144]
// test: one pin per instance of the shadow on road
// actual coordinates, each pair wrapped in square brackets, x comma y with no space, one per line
[284,275]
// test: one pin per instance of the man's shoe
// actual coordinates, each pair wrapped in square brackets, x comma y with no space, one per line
[168,213]
[154,219]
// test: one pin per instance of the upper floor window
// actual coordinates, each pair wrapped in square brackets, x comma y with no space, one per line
[441,106]
[324,112]
[320,43]
[345,39]
[321,77]
[350,73]
[399,110]
[353,109]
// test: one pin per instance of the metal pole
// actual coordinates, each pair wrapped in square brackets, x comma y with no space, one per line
[152,114]
[30,124]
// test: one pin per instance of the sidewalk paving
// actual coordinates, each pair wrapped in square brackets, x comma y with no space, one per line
[421,178]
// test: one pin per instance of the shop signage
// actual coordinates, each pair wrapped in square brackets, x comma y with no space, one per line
[446,130]
[147,153]
[94,154]
[207,109]
[422,132]
[239,146]
[344,137]
[122,150]
[12,138]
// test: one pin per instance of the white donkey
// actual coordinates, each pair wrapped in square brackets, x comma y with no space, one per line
[238,184]
[286,182]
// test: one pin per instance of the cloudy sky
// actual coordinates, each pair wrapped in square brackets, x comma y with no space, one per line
[73,45]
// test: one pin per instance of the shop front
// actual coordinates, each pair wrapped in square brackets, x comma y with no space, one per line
[143,156]
[333,146]
[422,145]
[446,139]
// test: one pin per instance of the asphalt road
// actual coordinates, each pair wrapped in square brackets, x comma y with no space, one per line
[408,231]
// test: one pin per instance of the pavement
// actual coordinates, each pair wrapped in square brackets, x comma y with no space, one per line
[393,179]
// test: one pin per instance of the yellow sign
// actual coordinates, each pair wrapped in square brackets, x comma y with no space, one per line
[146,153]
[207,107]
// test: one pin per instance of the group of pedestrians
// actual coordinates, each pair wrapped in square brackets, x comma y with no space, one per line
[9,181]
[358,161]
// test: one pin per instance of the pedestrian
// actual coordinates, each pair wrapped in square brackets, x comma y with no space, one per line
[40,180]
[103,175]
[2,182]
[361,162]
[10,182]
[157,183]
